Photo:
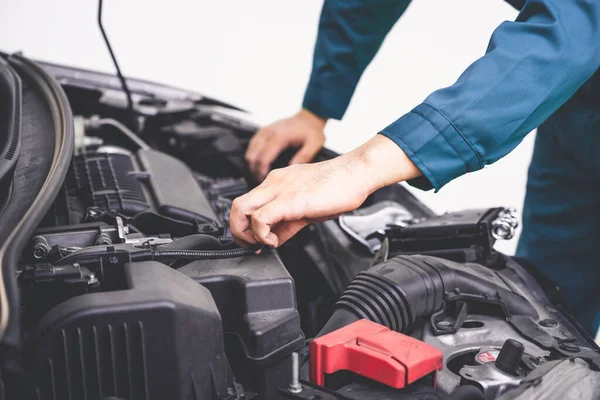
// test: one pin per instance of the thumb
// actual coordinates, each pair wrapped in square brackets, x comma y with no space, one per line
[306,153]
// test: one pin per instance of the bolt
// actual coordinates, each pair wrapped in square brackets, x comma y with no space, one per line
[570,347]
[103,239]
[295,386]
[41,249]
[502,230]
[548,323]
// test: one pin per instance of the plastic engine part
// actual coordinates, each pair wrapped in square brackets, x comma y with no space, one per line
[256,298]
[148,183]
[159,338]
[397,292]
[373,351]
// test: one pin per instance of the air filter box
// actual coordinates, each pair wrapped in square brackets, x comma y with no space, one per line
[160,337]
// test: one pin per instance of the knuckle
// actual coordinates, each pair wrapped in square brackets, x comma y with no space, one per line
[275,174]
[236,205]
[257,216]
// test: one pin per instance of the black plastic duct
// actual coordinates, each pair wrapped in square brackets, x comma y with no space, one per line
[397,292]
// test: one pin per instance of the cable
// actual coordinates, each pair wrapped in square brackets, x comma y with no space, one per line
[96,122]
[114,59]
[150,255]
[153,255]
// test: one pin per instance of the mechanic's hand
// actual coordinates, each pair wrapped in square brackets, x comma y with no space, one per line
[303,130]
[292,197]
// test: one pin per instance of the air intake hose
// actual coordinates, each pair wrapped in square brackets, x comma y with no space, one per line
[398,291]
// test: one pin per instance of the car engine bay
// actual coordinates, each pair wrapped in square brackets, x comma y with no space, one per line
[121,279]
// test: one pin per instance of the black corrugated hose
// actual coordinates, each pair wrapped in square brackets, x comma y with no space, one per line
[155,255]
[397,292]
[151,255]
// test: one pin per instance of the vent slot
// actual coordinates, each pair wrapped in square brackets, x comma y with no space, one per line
[97,361]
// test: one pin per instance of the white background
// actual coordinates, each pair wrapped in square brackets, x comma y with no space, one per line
[257,55]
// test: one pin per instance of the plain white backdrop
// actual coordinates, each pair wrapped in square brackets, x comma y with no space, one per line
[257,55]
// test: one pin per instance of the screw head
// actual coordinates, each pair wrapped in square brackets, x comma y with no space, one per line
[443,325]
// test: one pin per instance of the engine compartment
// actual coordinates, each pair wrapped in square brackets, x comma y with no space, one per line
[131,287]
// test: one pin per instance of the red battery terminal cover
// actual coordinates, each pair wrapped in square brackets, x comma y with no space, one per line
[373,351]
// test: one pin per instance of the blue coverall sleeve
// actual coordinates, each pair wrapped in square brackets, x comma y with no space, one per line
[531,67]
[350,33]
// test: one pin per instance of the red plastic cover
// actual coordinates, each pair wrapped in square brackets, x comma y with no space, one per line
[373,351]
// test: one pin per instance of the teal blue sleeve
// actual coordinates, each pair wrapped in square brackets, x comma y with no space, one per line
[350,33]
[531,68]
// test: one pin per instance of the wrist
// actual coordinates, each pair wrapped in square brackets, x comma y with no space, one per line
[381,162]
[312,118]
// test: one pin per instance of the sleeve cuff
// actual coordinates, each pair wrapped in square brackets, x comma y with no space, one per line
[326,102]
[435,145]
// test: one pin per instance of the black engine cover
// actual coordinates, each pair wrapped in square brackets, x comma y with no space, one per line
[161,338]
[147,183]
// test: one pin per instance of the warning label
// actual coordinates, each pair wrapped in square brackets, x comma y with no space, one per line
[487,356]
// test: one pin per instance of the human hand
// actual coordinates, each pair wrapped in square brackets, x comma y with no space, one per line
[303,130]
[290,198]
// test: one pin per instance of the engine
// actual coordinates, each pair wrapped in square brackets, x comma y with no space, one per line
[132,287]
[131,319]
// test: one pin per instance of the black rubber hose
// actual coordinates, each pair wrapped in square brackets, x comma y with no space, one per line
[397,292]
[155,255]
[340,318]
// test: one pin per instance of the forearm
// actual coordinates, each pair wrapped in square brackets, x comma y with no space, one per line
[532,67]
[350,34]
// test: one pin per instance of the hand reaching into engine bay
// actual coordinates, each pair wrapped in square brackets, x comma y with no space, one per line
[303,131]
[293,197]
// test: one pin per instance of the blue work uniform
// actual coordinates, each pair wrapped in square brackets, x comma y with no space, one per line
[539,71]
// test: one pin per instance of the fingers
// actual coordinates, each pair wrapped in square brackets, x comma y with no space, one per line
[306,152]
[254,144]
[263,149]
[268,154]
[254,148]
[241,210]
[262,220]
[284,231]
